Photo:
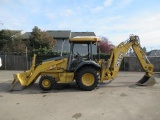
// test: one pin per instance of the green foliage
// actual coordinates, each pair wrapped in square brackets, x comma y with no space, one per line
[42,51]
[46,52]
[17,46]
[101,56]
[144,49]
[40,39]
[11,41]
[5,37]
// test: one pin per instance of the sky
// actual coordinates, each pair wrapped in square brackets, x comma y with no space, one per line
[114,19]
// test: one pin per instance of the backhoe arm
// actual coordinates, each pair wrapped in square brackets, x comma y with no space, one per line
[110,68]
[148,79]
[141,55]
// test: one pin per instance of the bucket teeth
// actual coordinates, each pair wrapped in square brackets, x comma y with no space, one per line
[146,81]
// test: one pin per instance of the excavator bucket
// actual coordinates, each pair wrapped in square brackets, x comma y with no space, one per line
[146,81]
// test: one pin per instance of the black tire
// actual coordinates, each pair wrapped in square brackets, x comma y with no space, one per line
[87,78]
[46,83]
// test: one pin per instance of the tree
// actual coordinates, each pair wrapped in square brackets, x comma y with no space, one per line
[11,41]
[6,36]
[144,49]
[105,46]
[40,39]
[16,45]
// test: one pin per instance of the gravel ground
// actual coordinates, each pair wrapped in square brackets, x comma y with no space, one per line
[119,100]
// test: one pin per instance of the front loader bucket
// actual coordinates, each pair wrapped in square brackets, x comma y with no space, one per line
[146,81]
[22,80]
[19,81]
[16,86]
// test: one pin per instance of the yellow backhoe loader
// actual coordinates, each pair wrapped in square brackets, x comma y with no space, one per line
[84,70]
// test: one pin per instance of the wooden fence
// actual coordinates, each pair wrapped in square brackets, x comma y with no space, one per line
[15,62]
[23,62]
[133,64]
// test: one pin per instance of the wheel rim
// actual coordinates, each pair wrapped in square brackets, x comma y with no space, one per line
[46,83]
[88,79]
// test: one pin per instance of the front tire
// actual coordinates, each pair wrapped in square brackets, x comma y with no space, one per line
[46,83]
[87,78]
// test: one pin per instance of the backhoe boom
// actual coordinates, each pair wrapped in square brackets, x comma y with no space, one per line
[110,68]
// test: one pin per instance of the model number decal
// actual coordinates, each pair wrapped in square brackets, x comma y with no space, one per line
[120,57]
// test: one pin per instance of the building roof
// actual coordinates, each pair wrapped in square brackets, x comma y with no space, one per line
[74,34]
[26,35]
[154,53]
[59,33]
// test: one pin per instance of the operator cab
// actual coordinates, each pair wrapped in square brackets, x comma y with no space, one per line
[87,43]
[76,57]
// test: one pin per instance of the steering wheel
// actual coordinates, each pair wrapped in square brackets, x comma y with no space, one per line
[78,56]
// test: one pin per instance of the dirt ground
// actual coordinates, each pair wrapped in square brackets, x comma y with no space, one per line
[119,100]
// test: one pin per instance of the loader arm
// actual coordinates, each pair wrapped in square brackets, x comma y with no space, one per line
[110,68]
[25,81]
[30,76]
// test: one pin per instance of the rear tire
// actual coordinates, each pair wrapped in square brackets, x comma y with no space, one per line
[46,83]
[87,78]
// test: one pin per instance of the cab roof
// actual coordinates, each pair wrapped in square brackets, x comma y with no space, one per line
[83,39]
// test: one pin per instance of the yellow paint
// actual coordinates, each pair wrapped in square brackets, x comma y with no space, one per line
[88,79]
